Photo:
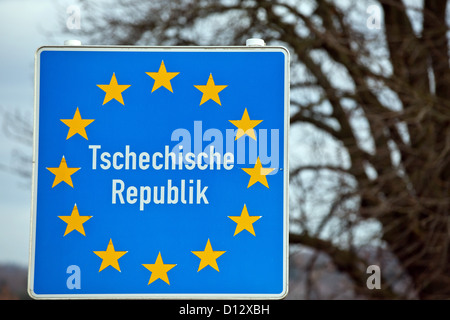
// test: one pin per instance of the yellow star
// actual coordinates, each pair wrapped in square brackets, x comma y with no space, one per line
[162,78]
[159,270]
[77,125]
[208,257]
[63,173]
[244,221]
[75,221]
[258,174]
[113,90]
[210,91]
[110,257]
[245,126]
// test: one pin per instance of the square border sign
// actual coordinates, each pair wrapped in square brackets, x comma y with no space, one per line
[160,173]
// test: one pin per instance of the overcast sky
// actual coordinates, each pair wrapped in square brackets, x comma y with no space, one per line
[23,28]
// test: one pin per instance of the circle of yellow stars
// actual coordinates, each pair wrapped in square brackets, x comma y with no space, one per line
[114,91]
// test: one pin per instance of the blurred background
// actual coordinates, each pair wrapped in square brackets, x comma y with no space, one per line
[369,139]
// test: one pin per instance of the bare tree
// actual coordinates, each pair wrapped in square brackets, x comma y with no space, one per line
[16,127]
[369,98]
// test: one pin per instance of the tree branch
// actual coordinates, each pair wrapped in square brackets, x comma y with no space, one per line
[347,262]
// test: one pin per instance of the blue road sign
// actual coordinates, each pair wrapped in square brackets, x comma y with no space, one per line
[160,172]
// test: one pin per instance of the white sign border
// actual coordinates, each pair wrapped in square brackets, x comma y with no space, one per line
[178,296]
